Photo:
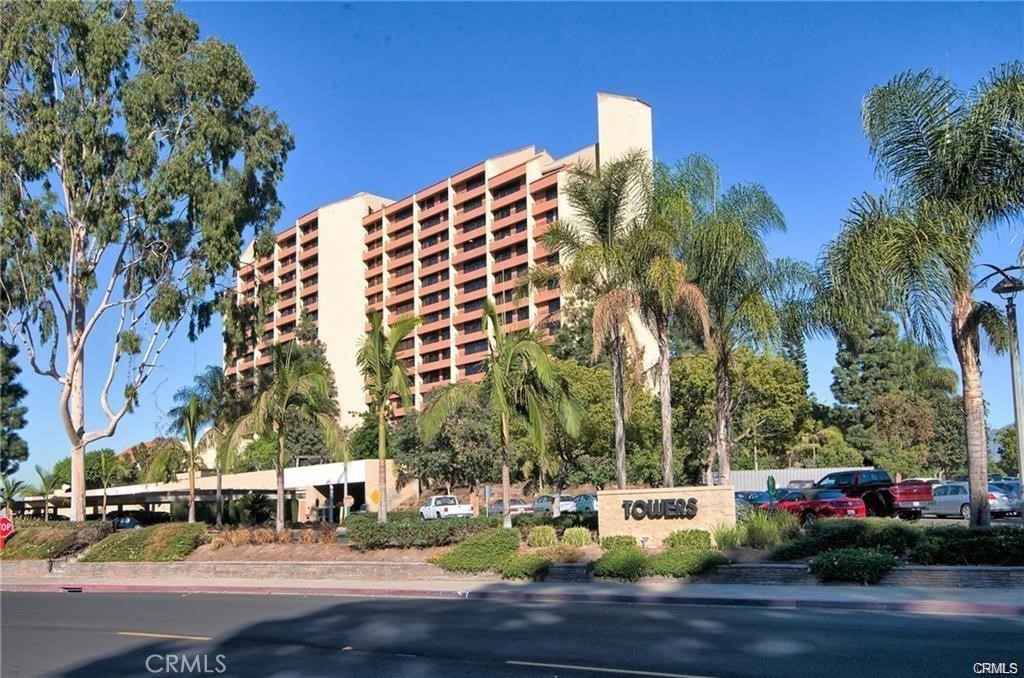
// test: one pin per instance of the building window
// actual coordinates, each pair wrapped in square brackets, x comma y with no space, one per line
[478,346]
[404,214]
[474,224]
[475,285]
[475,368]
[474,265]
[403,308]
[435,278]
[551,193]
[474,182]
[554,305]
[406,344]
[436,316]
[402,270]
[473,244]
[435,297]
[471,205]
[552,215]
[474,305]
[402,289]
[507,189]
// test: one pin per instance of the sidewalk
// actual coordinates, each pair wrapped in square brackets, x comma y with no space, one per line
[1002,602]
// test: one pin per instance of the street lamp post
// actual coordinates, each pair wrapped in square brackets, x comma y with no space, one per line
[1007,288]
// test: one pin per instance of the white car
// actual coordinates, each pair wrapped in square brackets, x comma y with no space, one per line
[445,506]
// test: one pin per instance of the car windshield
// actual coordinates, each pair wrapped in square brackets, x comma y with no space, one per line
[758,497]
[566,497]
[445,501]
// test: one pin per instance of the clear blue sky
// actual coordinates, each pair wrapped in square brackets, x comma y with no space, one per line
[389,98]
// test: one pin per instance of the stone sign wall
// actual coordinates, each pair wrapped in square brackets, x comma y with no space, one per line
[652,514]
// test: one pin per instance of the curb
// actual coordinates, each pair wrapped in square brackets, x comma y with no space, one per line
[944,607]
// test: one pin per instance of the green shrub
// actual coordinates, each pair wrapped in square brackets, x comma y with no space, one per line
[39,540]
[768,529]
[970,546]
[365,534]
[894,536]
[160,543]
[622,562]
[618,540]
[730,536]
[680,562]
[563,553]
[481,552]
[525,521]
[688,539]
[862,566]
[541,535]
[576,536]
[527,566]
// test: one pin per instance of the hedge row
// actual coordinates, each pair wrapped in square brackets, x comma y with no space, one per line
[857,565]
[407,533]
[954,545]
[487,551]
[629,563]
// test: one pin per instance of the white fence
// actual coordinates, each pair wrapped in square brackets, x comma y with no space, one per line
[749,481]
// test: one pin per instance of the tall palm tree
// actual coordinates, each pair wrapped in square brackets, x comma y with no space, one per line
[520,384]
[384,380]
[10,489]
[295,389]
[667,290]
[48,484]
[955,164]
[746,291]
[223,402]
[111,470]
[599,243]
[188,421]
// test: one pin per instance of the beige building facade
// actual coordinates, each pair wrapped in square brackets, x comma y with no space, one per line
[437,254]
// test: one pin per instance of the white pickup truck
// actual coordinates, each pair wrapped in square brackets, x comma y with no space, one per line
[445,506]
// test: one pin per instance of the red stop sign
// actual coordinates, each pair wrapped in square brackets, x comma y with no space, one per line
[6,526]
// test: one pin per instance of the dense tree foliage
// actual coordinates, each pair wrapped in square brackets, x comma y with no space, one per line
[95,462]
[1006,447]
[13,449]
[134,161]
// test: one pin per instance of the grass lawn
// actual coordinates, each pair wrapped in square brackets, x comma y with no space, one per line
[158,543]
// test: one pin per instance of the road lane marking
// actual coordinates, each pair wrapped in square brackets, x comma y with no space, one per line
[599,669]
[140,634]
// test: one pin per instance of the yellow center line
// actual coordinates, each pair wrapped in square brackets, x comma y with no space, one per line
[140,634]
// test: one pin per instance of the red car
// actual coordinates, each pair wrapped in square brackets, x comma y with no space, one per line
[809,505]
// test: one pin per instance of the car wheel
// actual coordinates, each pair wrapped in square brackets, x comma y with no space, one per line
[438,515]
[965,511]
[808,518]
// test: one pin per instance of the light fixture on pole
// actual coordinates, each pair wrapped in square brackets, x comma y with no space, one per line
[1007,288]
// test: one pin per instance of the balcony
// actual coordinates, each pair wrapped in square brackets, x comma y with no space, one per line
[509,237]
[399,262]
[374,289]
[467,337]
[406,354]
[397,281]
[284,305]
[308,270]
[264,360]
[463,256]
[434,346]
[462,236]
[428,386]
[513,261]
[266,275]
[308,253]
[396,225]
[544,295]
[374,270]
[286,318]
[510,220]
[434,210]
[468,194]
[515,196]
[463,217]
[433,249]
[286,252]
[436,286]
[286,336]
[438,305]
[285,269]
[286,286]
[396,299]
[309,238]
[464,359]
[466,297]
[441,324]
[375,251]
[430,269]
[310,306]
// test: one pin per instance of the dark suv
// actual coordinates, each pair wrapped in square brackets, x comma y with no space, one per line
[880,495]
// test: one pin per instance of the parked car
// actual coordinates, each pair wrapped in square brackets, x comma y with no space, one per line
[126,523]
[1010,488]
[586,502]
[755,498]
[880,495]
[516,506]
[799,484]
[809,504]
[930,481]
[543,504]
[954,499]
[444,506]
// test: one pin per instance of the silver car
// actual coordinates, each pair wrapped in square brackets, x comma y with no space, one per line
[954,499]
[516,506]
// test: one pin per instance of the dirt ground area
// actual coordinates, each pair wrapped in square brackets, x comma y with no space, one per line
[310,553]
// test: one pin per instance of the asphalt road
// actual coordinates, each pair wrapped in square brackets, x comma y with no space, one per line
[91,634]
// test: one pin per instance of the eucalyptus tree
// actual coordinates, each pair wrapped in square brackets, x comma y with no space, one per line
[747,293]
[384,379]
[954,162]
[599,242]
[48,484]
[292,392]
[134,161]
[520,384]
[9,489]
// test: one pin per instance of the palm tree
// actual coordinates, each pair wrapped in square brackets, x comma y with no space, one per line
[10,489]
[223,403]
[599,248]
[666,290]
[48,484]
[295,389]
[384,380]
[111,471]
[746,291]
[520,384]
[187,420]
[956,169]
